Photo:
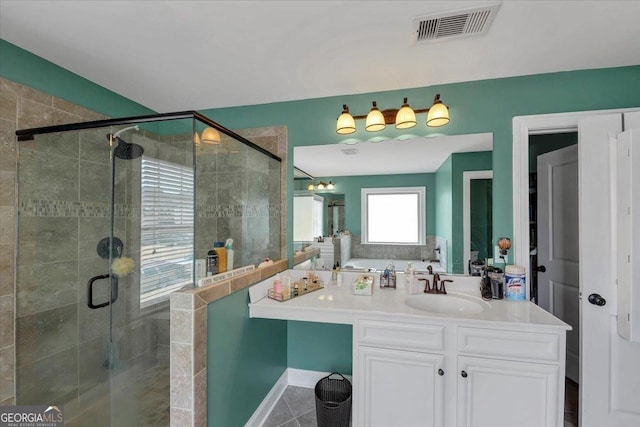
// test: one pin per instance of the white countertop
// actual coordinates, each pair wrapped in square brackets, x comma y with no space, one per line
[337,304]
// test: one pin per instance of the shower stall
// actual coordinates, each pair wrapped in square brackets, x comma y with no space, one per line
[112,216]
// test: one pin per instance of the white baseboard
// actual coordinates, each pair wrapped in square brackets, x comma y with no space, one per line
[304,378]
[266,406]
[291,376]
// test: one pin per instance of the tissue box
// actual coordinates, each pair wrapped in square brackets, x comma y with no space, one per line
[363,285]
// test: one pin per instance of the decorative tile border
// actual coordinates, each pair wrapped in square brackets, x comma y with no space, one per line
[232,211]
[74,209]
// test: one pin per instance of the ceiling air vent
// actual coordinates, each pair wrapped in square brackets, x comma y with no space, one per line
[454,24]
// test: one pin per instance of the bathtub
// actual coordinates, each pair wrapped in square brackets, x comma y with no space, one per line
[400,264]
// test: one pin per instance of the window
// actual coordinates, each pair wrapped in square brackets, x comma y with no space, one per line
[393,215]
[167,221]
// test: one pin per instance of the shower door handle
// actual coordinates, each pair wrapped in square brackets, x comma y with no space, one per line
[114,291]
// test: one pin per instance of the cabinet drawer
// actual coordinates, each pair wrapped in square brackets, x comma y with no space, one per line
[509,344]
[401,336]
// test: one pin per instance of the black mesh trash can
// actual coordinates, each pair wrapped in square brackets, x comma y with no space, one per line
[333,401]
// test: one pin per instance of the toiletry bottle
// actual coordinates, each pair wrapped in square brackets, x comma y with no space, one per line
[334,275]
[229,247]
[286,289]
[218,247]
[277,284]
[212,263]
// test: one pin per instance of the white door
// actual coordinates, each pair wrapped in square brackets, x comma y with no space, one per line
[610,374]
[501,393]
[558,285]
[399,388]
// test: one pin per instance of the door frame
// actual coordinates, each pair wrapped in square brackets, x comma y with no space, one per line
[467,176]
[523,127]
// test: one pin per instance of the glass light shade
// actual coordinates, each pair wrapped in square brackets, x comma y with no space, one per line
[375,120]
[210,136]
[346,124]
[196,139]
[406,117]
[321,186]
[310,187]
[330,186]
[438,115]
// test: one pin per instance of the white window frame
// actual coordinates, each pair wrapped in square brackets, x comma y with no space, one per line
[151,228]
[421,209]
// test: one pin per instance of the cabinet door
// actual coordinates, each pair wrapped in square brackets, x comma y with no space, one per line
[398,388]
[501,393]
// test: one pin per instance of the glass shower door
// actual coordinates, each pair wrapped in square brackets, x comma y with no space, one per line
[86,341]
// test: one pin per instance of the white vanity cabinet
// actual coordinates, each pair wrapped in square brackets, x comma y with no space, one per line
[497,393]
[398,374]
[429,374]
[509,377]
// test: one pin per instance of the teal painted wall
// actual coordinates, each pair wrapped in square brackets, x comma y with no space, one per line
[320,347]
[245,357]
[23,67]
[481,217]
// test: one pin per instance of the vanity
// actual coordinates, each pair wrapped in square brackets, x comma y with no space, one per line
[439,360]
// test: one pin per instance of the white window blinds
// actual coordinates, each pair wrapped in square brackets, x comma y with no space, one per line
[167,223]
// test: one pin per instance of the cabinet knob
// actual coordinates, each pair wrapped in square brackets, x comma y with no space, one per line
[440,372]
[464,374]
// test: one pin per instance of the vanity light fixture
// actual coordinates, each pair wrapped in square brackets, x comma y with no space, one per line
[403,118]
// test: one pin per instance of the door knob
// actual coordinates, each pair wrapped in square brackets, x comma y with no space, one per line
[463,374]
[541,268]
[440,372]
[596,299]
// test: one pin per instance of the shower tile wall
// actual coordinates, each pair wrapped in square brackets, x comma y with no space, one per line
[20,107]
[235,198]
[391,252]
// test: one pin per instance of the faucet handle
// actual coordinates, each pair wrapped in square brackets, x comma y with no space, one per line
[442,288]
[427,289]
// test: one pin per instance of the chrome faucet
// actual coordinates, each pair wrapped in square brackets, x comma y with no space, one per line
[435,289]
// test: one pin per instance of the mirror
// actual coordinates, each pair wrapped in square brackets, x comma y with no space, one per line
[397,163]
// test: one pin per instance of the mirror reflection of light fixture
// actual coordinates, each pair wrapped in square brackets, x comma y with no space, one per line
[210,136]
[321,186]
[403,118]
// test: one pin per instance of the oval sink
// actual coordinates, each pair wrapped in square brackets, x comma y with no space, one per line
[449,304]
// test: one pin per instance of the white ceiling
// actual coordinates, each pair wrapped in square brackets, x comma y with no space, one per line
[418,155]
[193,55]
